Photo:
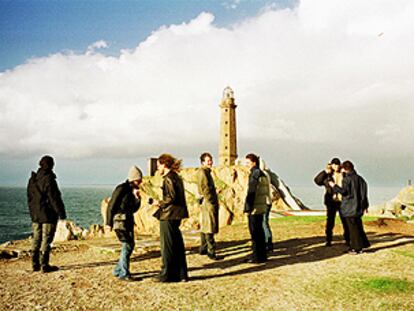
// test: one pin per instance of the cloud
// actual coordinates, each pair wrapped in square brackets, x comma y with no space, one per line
[316,75]
[231,4]
[101,44]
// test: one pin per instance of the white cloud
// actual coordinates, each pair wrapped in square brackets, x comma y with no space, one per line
[231,4]
[318,74]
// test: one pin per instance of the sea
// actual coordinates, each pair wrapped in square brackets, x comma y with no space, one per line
[83,205]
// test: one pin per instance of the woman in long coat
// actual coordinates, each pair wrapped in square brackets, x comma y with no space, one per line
[172,209]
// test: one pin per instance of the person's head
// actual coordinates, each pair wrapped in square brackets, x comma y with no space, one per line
[335,164]
[206,160]
[47,163]
[167,162]
[135,176]
[252,160]
[347,166]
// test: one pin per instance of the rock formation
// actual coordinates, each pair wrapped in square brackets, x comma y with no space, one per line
[401,205]
[231,184]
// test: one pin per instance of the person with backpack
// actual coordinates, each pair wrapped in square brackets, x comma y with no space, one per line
[46,208]
[256,207]
[125,201]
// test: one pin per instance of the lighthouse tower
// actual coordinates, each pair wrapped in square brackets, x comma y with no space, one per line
[228,135]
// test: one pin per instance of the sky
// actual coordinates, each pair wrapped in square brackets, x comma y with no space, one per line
[102,85]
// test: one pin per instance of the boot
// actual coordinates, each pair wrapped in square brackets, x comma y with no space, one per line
[35,260]
[45,264]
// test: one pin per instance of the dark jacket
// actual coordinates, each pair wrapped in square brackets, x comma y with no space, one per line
[257,192]
[44,198]
[323,179]
[354,192]
[173,205]
[209,205]
[123,201]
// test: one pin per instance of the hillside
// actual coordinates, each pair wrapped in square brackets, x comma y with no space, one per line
[302,274]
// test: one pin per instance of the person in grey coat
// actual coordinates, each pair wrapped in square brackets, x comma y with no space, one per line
[209,207]
[354,204]
[46,208]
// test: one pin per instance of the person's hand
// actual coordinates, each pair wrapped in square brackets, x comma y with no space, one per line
[328,168]
[108,228]
[332,184]
[136,193]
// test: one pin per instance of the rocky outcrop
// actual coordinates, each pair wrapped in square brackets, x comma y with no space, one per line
[231,184]
[400,206]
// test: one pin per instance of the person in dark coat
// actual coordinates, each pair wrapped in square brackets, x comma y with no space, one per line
[332,200]
[46,208]
[171,210]
[125,201]
[354,193]
[256,206]
[209,207]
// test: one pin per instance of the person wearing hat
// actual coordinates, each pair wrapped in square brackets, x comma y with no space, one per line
[125,201]
[46,207]
[332,200]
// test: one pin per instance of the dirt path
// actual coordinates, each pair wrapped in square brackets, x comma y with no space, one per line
[301,274]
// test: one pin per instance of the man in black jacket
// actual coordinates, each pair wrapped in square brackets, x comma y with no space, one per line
[125,201]
[46,207]
[354,193]
[332,200]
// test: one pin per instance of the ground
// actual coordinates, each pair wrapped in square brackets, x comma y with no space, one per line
[301,274]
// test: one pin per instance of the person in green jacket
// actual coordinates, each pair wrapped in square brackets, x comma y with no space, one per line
[209,207]
[256,206]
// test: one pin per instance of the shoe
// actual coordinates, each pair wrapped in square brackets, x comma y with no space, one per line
[36,268]
[255,261]
[328,244]
[202,252]
[185,280]
[47,269]
[214,257]
[354,252]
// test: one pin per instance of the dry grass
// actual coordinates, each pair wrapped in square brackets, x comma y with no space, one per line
[302,274]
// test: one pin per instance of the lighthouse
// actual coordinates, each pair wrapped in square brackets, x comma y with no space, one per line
[228,135]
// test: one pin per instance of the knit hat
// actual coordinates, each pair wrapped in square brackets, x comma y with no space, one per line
[134,174]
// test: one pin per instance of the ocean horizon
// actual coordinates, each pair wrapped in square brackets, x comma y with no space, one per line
[83,205]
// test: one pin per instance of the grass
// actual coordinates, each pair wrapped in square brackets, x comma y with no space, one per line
[299,219]
[385,285]
[405,253]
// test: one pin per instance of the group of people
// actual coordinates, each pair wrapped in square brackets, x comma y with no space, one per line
[172,209]
[346,193]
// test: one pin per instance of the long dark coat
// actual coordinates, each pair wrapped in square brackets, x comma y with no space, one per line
[173,205]
[209,205]
[354,192]
[44,198]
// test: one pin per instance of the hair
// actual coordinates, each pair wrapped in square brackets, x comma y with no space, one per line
[47,162]
[348,165]
[204,156]
[252,157]
[170,162]
[335,161]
